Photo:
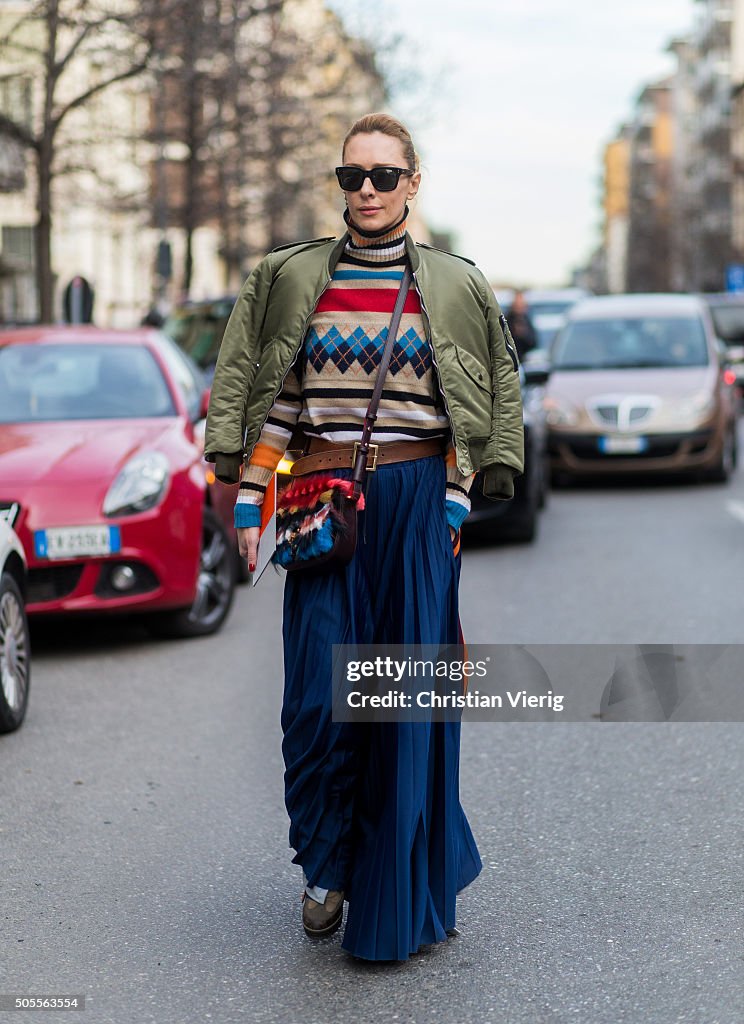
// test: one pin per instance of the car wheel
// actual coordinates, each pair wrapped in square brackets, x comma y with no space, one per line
[15,655]
[214,591]
[525,529]
[560,478]
[544,483]
[727,461]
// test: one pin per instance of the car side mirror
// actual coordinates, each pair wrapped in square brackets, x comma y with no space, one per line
[536,373]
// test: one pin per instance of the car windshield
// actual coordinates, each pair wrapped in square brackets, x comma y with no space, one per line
[631,342]
[198,331]
[51,381]
[549,308]
[729,322]
[545,336]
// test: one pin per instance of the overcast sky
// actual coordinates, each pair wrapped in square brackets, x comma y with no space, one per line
[531,92]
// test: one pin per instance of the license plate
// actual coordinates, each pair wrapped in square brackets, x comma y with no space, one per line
[77,541]
[623,445]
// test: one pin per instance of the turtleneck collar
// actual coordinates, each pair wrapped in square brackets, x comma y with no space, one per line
[385,246]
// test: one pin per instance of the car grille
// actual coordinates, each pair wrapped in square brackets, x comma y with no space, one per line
[52,582]
[609,413]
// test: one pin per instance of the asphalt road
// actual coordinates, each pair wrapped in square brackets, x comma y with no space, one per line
[143,835]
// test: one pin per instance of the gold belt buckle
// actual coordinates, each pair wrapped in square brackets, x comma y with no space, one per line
[372,446]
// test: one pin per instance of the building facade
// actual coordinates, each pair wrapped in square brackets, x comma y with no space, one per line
[685,220]
[120,187]
[616,203]
[685,201]
[737,132]
[648,264]
[711,178]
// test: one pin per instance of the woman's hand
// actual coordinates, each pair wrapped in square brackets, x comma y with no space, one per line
[453,533]
[248,544]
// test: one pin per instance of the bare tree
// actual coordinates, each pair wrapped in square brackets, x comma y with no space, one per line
[248,101]
[250,93]
[52,38]
[199,57]
[293,96]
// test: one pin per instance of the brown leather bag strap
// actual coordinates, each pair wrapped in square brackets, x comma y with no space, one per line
[360,464]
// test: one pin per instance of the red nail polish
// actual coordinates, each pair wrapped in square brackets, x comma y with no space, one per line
[251,566]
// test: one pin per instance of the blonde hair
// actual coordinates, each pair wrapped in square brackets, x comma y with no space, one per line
[387,125]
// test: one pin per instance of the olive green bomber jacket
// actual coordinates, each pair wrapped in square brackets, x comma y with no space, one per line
[471,346]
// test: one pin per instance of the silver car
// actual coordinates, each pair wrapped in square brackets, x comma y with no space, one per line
[640,383]
[548,309]
[15,644]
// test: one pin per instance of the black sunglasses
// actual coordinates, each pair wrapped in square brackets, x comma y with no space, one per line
[384,179]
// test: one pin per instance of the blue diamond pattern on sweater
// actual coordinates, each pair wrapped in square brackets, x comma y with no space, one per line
[358,347]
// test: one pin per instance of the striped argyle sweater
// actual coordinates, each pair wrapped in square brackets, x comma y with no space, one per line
[327,390]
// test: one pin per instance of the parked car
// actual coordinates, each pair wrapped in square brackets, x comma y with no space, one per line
[197,329]
[640,383]
[517,519]
[100,456]
[15,645]
[548,309]
[727,310]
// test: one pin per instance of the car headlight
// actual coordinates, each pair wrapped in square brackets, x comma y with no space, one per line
[692,409]
[703,405]
[139,485]
[559,413]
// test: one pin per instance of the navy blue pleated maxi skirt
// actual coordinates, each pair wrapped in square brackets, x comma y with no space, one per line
[374,808]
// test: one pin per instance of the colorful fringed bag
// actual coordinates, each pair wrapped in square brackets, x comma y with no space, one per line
[316,516]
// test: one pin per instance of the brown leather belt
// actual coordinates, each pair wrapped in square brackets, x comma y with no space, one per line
[329,455]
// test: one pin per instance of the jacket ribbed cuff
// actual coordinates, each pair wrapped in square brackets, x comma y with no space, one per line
[498,481]
[226,465]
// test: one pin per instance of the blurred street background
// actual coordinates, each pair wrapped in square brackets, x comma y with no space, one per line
[158,150]
[590,159]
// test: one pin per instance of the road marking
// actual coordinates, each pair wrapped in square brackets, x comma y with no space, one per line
[736,509]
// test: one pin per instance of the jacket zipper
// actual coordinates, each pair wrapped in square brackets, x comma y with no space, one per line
[291,364]
[510,350]
[427,323]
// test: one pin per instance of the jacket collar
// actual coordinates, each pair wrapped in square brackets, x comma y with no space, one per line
[413,252]
[337,249]
[339,245]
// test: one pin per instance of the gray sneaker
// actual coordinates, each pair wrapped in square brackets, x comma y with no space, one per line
[321,919]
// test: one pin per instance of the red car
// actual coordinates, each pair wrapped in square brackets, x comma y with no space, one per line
[102,477]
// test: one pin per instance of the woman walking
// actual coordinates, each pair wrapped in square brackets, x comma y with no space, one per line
[374,809]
